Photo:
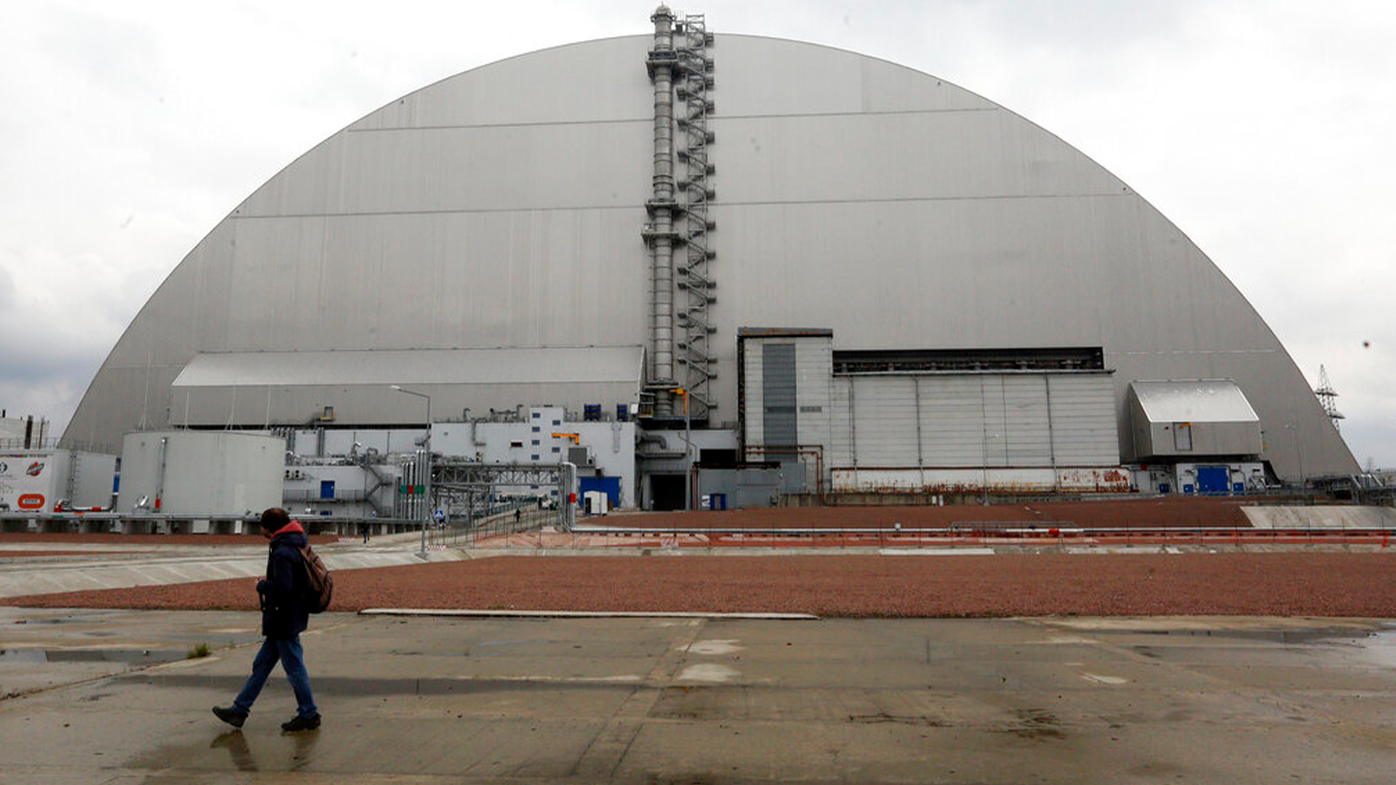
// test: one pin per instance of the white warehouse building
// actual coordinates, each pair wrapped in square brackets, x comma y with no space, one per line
[736,250]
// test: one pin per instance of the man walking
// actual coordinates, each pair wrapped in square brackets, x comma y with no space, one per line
[284,618]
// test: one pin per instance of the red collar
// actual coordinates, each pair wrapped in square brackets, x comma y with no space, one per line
[293,526]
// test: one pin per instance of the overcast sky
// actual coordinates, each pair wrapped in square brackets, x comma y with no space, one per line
[1265,129]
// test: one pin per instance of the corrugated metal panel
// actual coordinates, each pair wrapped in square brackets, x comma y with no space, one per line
[1211,400]
[978,420]
[753,414]
[781,423]
[1027,432]
[1084,423]
[841,444]
[995,478]
[813,371]
[378,404]
[421,366]
[885,408]
[953,421]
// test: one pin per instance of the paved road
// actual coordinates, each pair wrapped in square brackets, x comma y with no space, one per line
[429,700]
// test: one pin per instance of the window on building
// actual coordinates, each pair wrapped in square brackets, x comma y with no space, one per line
[535,429]
[557,423]
[556,449]
[535,442]
[537,415]
[517,444]
[535,457]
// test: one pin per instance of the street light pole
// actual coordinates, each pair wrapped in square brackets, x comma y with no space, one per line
[426,475]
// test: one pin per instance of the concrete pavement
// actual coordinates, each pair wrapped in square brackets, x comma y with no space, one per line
[128,565]
[660,700]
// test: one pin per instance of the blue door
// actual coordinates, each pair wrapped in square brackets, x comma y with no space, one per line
[607,485]
[1213,480]
[327,489]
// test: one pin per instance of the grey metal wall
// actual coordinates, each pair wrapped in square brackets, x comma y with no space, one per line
[803,378]
[780,425]
[502,207]
[973,420]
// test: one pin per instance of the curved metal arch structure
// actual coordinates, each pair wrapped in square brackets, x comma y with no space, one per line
[503,208]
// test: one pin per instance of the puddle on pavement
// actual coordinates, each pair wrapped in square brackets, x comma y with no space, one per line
[1270,635]
[55,620]
[360,687]
[232,750]
[129,656]
[1379,647]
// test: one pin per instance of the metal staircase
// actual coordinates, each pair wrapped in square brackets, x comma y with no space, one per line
[694,78]
[680,225]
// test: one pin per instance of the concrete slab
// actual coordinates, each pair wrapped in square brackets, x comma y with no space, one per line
[190,564]
[1325,517]
[516,614]
[417,700]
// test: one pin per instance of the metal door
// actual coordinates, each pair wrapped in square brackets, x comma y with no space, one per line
[1213,479]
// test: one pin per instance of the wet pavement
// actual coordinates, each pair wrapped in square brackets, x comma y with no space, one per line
[95,565]
[99,696]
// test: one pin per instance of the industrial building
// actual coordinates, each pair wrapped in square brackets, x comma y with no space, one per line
[713,266]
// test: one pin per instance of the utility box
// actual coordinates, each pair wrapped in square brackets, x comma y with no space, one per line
[1182,419]
[201,473]
[596,503]
[55,480]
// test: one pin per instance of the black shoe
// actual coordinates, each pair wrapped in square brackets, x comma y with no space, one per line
[300,723]
[230,715]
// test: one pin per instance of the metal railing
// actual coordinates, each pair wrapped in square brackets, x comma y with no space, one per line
[53,443]
[517,516]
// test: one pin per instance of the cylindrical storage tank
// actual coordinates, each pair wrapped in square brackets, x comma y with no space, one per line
[200,473]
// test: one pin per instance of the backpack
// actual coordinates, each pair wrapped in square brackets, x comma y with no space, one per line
[319,583]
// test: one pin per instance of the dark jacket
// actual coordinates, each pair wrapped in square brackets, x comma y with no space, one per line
[284,613]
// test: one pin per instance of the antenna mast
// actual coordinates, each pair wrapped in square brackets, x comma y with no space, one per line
[1326,395]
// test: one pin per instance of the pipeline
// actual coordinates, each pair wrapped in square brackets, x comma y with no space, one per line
[662,60]
[817,451]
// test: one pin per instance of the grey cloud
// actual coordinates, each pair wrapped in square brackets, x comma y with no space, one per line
[31,364]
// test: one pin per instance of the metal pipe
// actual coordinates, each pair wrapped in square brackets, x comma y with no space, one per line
[853,430]
[1052,435]
[817,450]
[920,455]
[424,461]
[662,255]
[160,481]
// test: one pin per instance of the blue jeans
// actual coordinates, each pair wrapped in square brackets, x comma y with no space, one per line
[288,652]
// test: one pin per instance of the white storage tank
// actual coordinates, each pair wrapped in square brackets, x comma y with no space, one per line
[200,473]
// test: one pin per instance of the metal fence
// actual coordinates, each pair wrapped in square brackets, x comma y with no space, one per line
[515,516]
[472,501]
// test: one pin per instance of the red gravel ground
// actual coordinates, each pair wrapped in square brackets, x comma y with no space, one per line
[1269,584]
[1153,512]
